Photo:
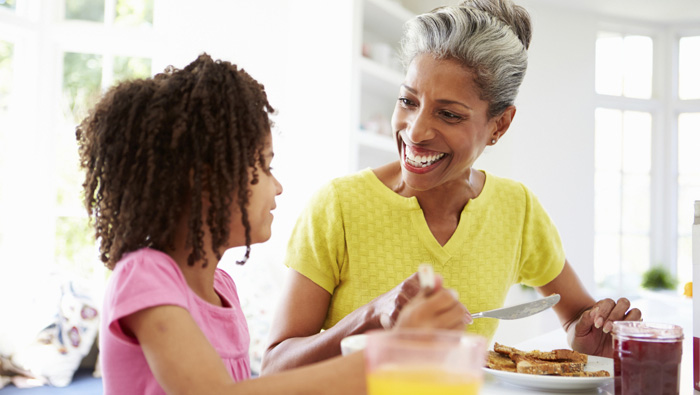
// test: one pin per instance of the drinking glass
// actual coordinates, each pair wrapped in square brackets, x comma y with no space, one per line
[424,362]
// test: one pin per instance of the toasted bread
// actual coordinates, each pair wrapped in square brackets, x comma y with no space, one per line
[560,355]
[499,361]
[560,362]
[530,365]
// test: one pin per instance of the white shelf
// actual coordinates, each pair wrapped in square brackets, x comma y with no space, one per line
[377,77]
[386,18]
[379,30]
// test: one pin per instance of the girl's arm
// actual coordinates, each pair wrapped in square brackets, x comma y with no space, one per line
[586,321]
[184,362]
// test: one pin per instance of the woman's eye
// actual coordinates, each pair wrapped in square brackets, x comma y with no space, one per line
[450,116]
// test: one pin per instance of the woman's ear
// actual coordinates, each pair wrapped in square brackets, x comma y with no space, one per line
[503,122]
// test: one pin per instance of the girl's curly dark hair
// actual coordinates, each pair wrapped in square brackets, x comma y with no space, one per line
[150,147]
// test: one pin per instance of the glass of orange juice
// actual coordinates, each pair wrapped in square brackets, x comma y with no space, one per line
[424,362]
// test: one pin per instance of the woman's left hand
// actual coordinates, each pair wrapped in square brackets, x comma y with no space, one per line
[592,333]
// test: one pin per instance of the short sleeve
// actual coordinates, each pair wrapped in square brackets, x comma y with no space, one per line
[316,248]
[143,279]
[542,254]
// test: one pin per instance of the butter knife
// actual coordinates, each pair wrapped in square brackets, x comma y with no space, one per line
[520,310]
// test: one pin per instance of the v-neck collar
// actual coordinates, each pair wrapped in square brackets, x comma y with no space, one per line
[441,253]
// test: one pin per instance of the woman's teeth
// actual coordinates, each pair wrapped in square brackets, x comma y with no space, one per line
[422,160]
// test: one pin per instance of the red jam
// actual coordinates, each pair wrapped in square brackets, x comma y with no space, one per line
[647,358]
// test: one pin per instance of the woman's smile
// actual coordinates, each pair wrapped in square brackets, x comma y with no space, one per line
[420,160]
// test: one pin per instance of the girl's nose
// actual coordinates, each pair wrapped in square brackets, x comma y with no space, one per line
[278,186]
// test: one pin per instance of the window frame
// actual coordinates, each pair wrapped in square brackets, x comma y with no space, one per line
[664,107]
[40,37]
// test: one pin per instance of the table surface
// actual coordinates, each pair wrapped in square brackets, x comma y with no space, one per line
[654,307]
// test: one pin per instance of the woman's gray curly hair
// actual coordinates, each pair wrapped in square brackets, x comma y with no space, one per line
[489,37]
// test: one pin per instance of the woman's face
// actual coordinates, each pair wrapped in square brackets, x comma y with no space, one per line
[440,123]
[261,202]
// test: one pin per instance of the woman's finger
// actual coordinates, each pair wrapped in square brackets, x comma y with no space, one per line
[605,306]
[633,315]
[616,314]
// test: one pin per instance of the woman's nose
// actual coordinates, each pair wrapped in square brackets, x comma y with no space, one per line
[420,128]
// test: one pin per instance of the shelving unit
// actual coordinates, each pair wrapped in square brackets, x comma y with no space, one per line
[378,75]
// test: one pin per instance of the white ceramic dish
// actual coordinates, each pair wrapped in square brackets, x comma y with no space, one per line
[549,383]
[353,343]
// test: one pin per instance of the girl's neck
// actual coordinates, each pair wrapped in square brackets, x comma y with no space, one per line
[199,279]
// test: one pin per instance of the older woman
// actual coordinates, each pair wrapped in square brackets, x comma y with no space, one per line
[362,234]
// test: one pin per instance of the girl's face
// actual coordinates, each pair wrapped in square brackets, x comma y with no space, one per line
[440,123]
[261,202]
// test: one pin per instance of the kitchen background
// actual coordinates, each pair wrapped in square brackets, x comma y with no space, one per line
[606,133]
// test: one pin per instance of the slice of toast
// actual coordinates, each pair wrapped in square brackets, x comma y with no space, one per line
[554,355]
[499,361]
[506,350]
[531,365]
[559,362]
[560,355]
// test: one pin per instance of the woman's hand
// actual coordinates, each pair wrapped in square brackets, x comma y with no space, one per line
[436,308]
[386,307]
[591,333]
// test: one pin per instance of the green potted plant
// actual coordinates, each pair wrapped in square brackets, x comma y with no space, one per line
[658,277]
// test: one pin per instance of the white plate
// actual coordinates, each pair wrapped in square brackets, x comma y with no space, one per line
[559,382]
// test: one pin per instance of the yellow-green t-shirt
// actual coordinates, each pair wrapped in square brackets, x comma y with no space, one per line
[358,239]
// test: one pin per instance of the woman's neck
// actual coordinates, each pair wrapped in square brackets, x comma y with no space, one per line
[450,197]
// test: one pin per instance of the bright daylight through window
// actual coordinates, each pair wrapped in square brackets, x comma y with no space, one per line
[45,196]
[647,168]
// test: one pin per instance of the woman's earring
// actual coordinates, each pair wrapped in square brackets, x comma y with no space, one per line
[493,141]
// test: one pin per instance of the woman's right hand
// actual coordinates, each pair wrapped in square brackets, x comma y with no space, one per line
[407,306]
[436,308]
[386,307]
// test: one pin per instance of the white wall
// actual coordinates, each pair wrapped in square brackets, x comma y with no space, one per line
[549,147]
[301,52]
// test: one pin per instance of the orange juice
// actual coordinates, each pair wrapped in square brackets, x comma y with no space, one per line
[417,380]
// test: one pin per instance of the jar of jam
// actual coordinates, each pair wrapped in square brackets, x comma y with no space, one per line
[647,357]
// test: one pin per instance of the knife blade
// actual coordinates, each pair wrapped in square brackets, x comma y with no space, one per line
[520,310]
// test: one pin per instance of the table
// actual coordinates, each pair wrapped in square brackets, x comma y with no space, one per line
[655,307]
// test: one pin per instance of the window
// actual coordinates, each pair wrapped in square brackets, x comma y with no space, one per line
[624,65]
[7,4]
[6,50]
[44,147]
[647,170]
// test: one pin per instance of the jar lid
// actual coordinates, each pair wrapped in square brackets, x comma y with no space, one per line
[647,330]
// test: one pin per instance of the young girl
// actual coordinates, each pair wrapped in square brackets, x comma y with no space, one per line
[177,171]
